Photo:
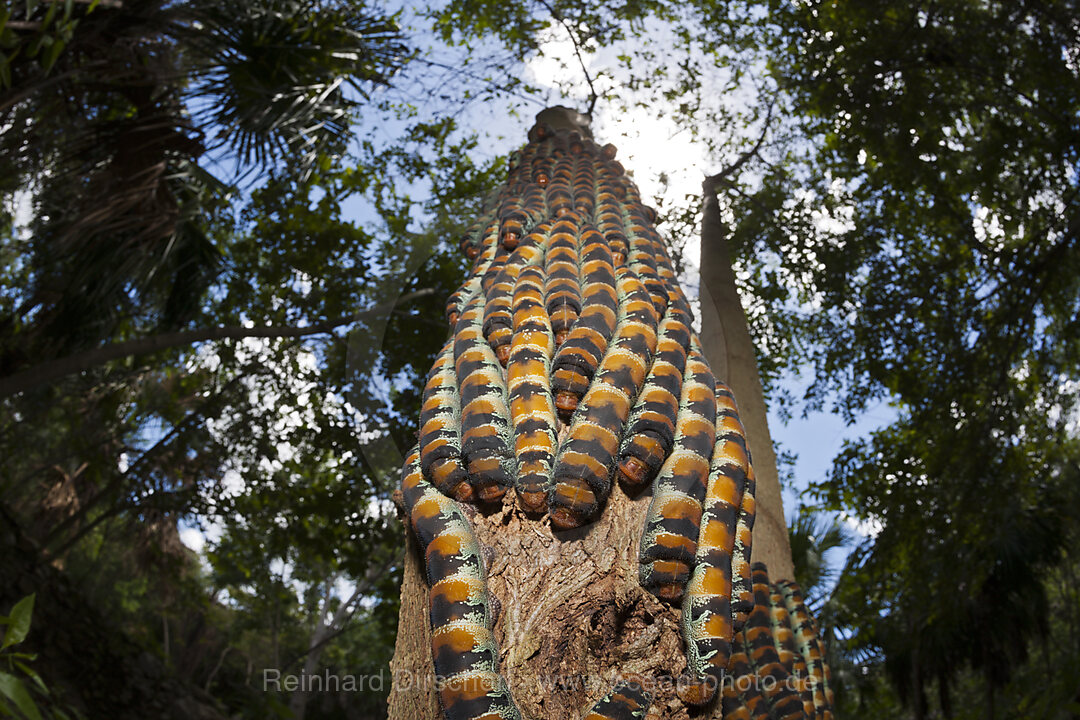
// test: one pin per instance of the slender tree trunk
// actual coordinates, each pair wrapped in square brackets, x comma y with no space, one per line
[729,348]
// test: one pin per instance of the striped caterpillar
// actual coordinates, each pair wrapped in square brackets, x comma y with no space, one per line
[498,325]
[485,418]
[708,612]
[669,542]
[462,642]
[440,440]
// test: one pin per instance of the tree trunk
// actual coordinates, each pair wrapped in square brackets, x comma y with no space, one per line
[729,349]
[570,616]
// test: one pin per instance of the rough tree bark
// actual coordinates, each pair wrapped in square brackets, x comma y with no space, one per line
[571,615]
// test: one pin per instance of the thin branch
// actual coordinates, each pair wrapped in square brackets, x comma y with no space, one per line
[724,175]
[593,95]
[56,369]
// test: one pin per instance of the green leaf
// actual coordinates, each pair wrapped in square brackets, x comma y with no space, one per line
[29,672]
[19,623]
[14,689]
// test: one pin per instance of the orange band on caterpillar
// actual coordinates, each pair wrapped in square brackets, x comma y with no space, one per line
[579,356]
[440,433]
[485,417]
[463,647]
[582,475]
[670,539]
[626,701]
[651,429]
[531,409]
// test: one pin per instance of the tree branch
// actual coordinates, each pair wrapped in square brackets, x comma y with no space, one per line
[56,369]
[724,175]
[593,95]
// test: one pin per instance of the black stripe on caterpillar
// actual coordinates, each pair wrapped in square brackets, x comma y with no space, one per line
[583,470]
[463,646]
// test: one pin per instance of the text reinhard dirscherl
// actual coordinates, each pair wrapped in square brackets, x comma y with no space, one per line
[405,681]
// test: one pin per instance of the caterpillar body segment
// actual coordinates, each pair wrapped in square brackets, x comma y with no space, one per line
[783,700]
[494,268]
[579,356]
[670,541]
[463,646]
[742,598]
[562,291]
[531,409]
[440,422]
[485,417]
[498,323]
[744,690]
[626,701]
[584,467]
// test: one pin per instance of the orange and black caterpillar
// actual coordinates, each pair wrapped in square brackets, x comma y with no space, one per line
[651,430]
[784,702]
[790,657]
[563,278]
[485,418]
[440,422]
[626,701]
[578,357]
[810,648]
[583,470]
[742,697]
[669,542]
[742,598]
[708,614]
[531,409]
[463,645]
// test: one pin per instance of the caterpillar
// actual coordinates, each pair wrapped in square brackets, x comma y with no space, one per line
[742,598]
[485,424]
[440,442]
[810,647]
[583,470]
[742,696]
[670,540]
[784,702]
[628,700]
[708,614]
[789,654]
[578,357]
[497,321]
[463,646]
[643,259]
[651,430]
[531,408]
[563,289]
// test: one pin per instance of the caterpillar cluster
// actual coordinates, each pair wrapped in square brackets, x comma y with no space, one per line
[572,364]
[777,666]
